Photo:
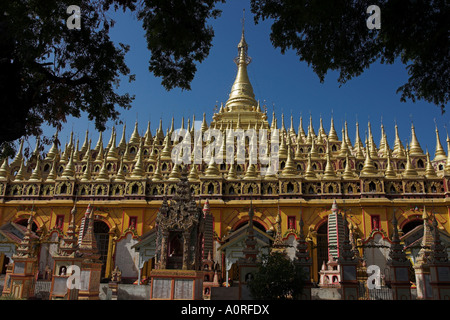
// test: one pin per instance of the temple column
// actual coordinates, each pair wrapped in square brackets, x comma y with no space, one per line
[163,258]
[186,236]
[110,255]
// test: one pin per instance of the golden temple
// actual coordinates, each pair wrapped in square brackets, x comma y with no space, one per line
[126,180]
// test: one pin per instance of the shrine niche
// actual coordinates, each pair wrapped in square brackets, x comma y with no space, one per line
[330,187]
[434,187]
[211,187]
[63,188]
[100,189]
[250,188]
[351,187]
[290,186]
[269,188]
[135,187]
[413,187]
[373,186]
[394,187]
[233,188]
[31,190]
[311,188]
[84,190]
[48,190]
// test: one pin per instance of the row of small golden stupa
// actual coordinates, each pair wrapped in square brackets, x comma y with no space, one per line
[300,154]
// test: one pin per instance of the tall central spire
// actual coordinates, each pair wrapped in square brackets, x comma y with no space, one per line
[241,95]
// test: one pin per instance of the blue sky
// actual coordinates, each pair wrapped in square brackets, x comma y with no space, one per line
[281,82]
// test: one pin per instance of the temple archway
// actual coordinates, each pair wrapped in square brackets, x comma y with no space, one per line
[322,246]
[101,232]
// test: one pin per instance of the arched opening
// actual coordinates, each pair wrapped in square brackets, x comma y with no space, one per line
[24,222]
[410,225]
[63,189]
[372,187]
[322,245]
[210,188]
[420,163]
[334,148]
[311,190]
[269,190]
[134,189]
[101,232]
[349,189]
[330,189]
[256,224]
[290,188]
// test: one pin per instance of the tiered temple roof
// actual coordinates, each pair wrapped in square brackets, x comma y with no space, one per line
[310,164]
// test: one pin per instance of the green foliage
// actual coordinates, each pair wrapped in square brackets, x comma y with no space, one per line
[277,277]
[332,35]
[49,72]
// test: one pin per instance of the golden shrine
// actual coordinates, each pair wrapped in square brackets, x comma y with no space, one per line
[126,182]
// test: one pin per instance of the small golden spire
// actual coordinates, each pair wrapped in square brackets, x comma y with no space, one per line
[399,150]
[99,145]
[157,176]
[447,164]
[69,170]
[4,169]
[87,154]
[20,175]
[175,173]
[166,153]
[19,156]
[289,168]
[358,144]
[212,170]
[309,173]
[389,173]
[193,173]
[344,147]
[204,126]
[103,174]
[372,146]
[329,172]
[232,172]
[429,171]
[409,170]
[85,145]
[36,174]
[148,136]
[113,154]
[135,138]
[369,167]
[332,135]
[440,153]
[348,172]
[76,154]
[301,136]
[414,147]
[52,174]
[138,171]
[53,152]
[250,173]
[347,138]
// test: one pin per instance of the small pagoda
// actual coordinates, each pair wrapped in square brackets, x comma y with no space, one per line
[180,224]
